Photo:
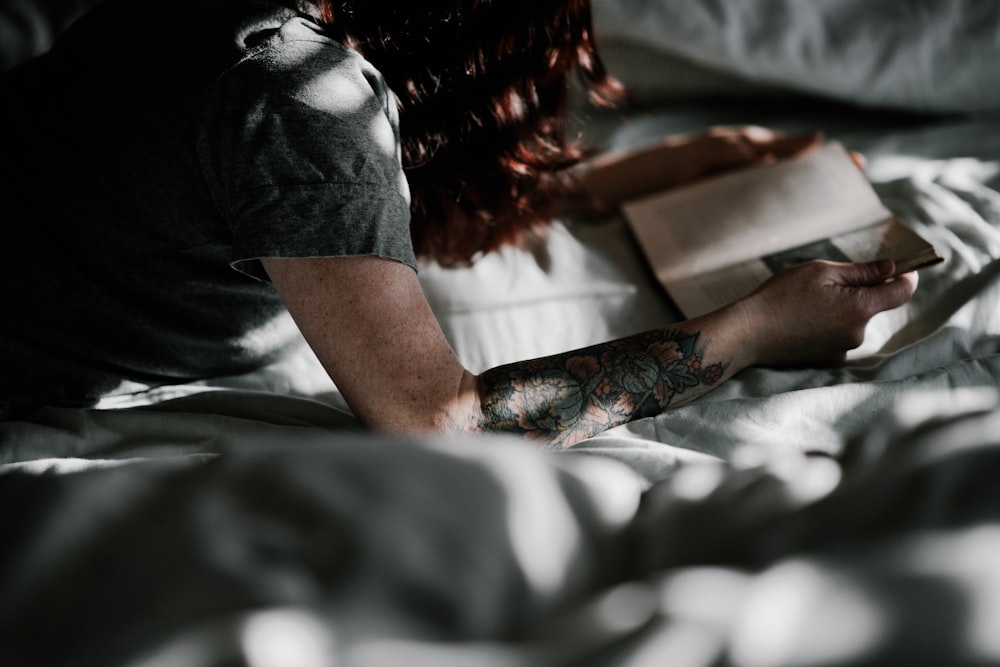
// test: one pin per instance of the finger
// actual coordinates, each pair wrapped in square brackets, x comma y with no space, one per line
[756,134]
[896,292]
[859,160]
[912,276]
[888,295]
[781,145]
[866,274]
[752,132]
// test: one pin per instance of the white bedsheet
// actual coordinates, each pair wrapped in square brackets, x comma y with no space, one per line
[252,521]
[941,176]
[929,55]
[790,517]
[300,546]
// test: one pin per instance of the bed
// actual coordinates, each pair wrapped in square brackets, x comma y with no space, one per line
[846,516]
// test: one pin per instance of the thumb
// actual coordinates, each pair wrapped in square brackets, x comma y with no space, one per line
[881,292]
[868,274]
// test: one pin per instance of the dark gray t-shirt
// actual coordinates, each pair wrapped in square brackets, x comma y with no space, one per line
[149,160]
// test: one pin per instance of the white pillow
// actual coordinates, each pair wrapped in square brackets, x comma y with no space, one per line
[922,55]
[653,74]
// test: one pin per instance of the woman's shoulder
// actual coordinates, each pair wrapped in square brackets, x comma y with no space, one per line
[297,63]
[300,51]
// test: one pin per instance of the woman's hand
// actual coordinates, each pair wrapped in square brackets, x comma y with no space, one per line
[814,313]
[379,341]
[606,182]
[725,148]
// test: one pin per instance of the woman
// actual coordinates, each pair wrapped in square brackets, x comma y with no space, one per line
[186,175]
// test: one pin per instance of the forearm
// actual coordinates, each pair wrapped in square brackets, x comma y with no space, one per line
[602,184]
[562,399]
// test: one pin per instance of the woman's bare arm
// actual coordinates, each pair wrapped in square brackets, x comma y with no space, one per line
[601,185]
[561,399]
[369,324]
[812,314]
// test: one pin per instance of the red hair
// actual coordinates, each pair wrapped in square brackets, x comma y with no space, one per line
[483,88]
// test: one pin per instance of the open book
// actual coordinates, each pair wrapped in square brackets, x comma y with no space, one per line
[715,241]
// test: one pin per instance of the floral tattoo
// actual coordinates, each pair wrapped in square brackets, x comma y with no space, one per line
[564,398]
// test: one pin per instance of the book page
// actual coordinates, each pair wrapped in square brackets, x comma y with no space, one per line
[753,212]
[703,293]
[890,239]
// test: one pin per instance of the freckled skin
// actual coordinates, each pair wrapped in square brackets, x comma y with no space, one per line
[378,339]
[564,398]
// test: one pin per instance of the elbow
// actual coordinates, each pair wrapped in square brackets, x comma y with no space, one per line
[456,410]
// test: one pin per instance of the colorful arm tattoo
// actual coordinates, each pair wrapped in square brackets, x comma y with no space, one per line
[565,398]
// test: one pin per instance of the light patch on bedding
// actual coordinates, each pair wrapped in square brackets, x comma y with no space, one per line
[801,613]
[967,559]
[291,638]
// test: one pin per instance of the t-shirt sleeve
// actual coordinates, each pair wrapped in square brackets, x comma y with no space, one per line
[300,149]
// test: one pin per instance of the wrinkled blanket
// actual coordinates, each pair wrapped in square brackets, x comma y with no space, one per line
[843,516]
